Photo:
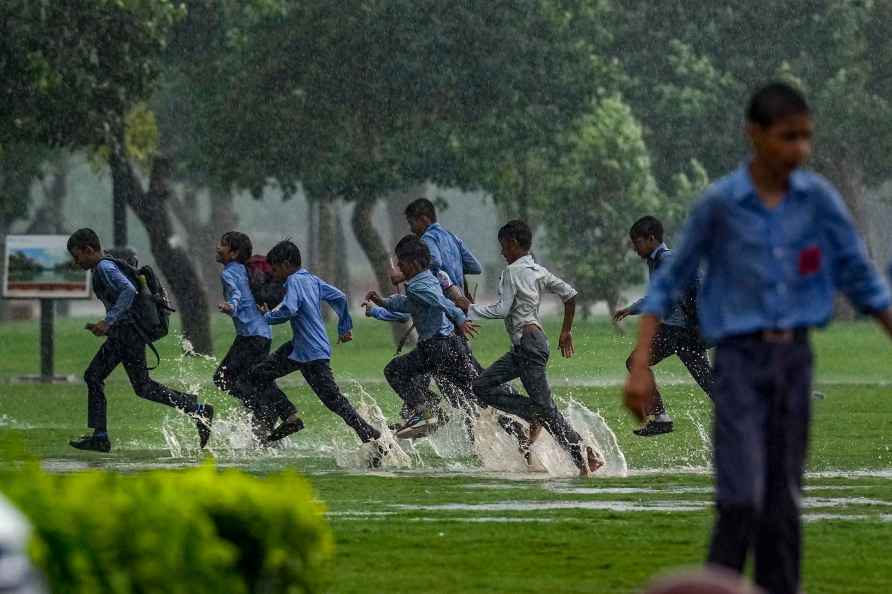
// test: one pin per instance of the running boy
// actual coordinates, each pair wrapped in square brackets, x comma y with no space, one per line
[440,352]
[519,297]
[308,352]
[677,334]
[776,241]
[124,344]
[252,333]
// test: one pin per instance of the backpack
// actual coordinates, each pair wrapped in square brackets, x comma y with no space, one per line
[150,309]
[264,287]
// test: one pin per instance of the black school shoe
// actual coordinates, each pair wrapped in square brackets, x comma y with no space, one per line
[91,443]
[284,430]
[203,424]
[653,428]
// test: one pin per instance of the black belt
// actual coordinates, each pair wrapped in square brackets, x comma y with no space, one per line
[778,336]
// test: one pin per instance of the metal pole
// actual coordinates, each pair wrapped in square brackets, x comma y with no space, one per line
[47,317]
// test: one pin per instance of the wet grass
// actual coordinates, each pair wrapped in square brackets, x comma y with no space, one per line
[401,530]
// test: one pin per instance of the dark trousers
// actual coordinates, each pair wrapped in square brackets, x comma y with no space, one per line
[527,361]
[687,344]
[125,346]
[445,358]
[762,398]
[272,402]
[230,375]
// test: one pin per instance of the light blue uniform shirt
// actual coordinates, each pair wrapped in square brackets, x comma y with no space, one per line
[768,269]
[302,306]
[432,313]
[660,257]
[117,292]
[248,320]
[449,253]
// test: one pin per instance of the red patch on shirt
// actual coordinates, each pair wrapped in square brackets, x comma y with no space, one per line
[809,260]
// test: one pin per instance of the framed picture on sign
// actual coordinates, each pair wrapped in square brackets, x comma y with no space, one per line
[40,267]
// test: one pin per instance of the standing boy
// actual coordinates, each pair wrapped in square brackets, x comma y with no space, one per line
[124,344]
[308,352]
[677,334]
[519,297]
[440,352]
[776,241]
[252,333]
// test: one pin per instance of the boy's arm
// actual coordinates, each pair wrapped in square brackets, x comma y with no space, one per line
[379,313]
[116,279]
[567,295]
[231,294]
[500,309]
[338,302]
[470,263]
[396,304]
[437,299]
[853,272]
[285,310]
[436,256]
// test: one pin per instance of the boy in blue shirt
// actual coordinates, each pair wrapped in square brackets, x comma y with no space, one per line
[677,334]
[440,352]
[252,334]
[124,345]
[308,352]
[777,241]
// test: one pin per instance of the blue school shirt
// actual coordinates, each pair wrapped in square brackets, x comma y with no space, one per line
[115,291]
[379,313]
[660,257]
[302,306]
[769,269]
[449,253]
[432,313]
[248,320]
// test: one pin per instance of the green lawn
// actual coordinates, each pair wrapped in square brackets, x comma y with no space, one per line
[446,524]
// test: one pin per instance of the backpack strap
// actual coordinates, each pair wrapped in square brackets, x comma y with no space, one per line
[149,344]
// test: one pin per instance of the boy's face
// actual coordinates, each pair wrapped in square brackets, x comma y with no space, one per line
[282,271]
[644,246]
[225,254]
[418,225]
[409,269]
[784,145]
[85,257]
[511,250]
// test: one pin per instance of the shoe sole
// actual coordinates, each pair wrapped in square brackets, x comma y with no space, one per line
[654,431]
[83,449]
[417,431]
[284,430]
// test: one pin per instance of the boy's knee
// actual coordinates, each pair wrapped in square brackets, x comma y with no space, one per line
[392,372]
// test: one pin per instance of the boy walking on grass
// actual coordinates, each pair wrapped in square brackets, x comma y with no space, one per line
[308,352]
[677,333]
[777,241]
[125,345]
[520,294]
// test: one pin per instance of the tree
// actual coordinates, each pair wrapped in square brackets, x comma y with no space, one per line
[602,184]
[360,99]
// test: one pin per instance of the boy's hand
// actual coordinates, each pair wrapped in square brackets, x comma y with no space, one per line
[367,308]
[469,329]
[565,342]
[462,303]
[100,328]
[346,337]
[621,314]
[639,387]
[374,297]
[263,307]
[225,308]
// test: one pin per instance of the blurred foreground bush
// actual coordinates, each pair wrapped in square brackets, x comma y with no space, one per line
[185,531]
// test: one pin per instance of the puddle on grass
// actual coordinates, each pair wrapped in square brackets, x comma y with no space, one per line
[522,506]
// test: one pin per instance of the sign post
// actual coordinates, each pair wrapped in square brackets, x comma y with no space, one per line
[40,267]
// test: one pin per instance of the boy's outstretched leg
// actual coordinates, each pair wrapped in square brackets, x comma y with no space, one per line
[264,398]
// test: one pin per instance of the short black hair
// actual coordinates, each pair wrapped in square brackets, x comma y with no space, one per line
[411,249]
[421,207]
[83,238]
[647,227]
[518,231]
[284,252]
[776,101]
[240,244]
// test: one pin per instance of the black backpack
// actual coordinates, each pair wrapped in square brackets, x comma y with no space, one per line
[150,310]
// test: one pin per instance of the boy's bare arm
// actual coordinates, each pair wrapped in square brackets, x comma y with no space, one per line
[640,383]
[565,342]
[884,318]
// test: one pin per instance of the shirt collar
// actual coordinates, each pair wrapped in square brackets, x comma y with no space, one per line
[433,227]
[742,185]
[658,249]
[231,264]
[422,277]
[523,261]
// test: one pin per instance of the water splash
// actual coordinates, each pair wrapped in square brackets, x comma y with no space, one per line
[496,450]
[596,433]
[357,458]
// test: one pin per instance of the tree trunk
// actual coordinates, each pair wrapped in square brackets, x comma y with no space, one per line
[4,231]
[370,241]
[342,260]
[151,209]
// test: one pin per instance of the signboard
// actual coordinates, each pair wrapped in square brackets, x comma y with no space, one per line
[40,267]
